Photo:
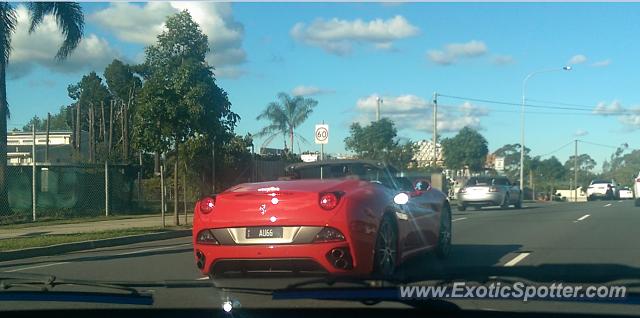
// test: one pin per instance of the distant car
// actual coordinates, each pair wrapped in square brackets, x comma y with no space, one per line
[625,193]
[606,189]
[489,191]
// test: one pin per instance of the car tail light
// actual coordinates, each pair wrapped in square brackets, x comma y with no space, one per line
[206,237]
[329,200]
[329,234]
[207,204]
[493,189]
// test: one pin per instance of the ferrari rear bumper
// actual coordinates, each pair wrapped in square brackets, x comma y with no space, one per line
[334,258]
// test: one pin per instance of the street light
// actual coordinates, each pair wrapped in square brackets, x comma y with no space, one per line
[378,102]
[524,86]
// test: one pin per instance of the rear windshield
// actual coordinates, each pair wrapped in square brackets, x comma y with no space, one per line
[487,181]
[600,181]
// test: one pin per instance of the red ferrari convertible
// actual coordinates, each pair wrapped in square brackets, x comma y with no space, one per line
[342,217]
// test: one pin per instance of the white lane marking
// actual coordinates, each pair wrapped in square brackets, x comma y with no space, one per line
[152,249]
[203,278]
[606,205]
[458,219]
[584,217]
[516,259]
[34,267]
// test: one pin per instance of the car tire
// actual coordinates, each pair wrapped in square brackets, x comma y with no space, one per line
[518,204]
[589,198]
[444,237]
[505,202]
[609,195]
[462,207]
[385,254]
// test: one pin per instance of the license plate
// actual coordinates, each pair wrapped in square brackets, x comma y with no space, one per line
[264,232]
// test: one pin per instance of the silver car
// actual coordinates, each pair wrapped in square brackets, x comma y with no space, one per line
[489,191]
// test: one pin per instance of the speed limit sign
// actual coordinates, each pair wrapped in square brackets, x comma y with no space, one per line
[322,134]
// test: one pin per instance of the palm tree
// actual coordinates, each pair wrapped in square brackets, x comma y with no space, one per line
[285,116]
[70,20]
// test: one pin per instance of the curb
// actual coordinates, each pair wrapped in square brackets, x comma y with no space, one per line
[88,245]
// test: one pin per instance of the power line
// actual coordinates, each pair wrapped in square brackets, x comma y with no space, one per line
[561,103]
[597,144]
[560,148]
[582,108]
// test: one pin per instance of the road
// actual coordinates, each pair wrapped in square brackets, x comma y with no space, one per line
[601,232]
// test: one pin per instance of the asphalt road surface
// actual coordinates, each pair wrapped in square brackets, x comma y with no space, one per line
[600,232]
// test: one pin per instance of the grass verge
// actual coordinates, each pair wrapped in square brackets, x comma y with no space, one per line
[44,221]
[48,240]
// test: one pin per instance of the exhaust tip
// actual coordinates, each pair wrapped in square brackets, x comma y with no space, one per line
[341,263]
[200,260]
[337,253]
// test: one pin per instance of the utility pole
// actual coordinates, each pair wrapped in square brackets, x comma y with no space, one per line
[111,105]
[435,128]
[575,172]
[33,173]
[46,149]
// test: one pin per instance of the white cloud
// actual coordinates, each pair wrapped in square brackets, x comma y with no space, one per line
[608,109]
[454,51]
[338,36]
[602,63]
[40,48]
[577,59]
[416,113]
[302,90]
[580,133]
[502,60]
[142,23]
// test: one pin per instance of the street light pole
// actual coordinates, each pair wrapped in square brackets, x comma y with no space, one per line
[378,102]
[524,87]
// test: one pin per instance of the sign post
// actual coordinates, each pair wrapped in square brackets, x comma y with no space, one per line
[322,137]
[499,164]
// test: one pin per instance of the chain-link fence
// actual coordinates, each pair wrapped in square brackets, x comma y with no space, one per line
[66,191]
[62,191]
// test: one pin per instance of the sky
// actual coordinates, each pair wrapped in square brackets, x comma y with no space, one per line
[346,55]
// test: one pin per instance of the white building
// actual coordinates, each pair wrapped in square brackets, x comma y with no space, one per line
[20,146]
[424,153]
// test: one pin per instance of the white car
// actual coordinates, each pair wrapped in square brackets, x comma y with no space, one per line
[603,189]
[626,193]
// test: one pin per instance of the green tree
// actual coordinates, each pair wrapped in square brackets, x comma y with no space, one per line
[70,20]
[180,99]
[378,141]
[59,121]
[585,167]
[284,116]
[511,154]
[121,80]
[549,173]
[466,149]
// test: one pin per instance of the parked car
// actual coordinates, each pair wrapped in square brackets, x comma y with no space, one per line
[339,217]
[489,191]
[625,193]
[606,189]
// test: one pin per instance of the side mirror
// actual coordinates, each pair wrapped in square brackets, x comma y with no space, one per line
[422,185]
[401,198]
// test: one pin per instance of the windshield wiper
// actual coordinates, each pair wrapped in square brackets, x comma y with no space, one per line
[34,287]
